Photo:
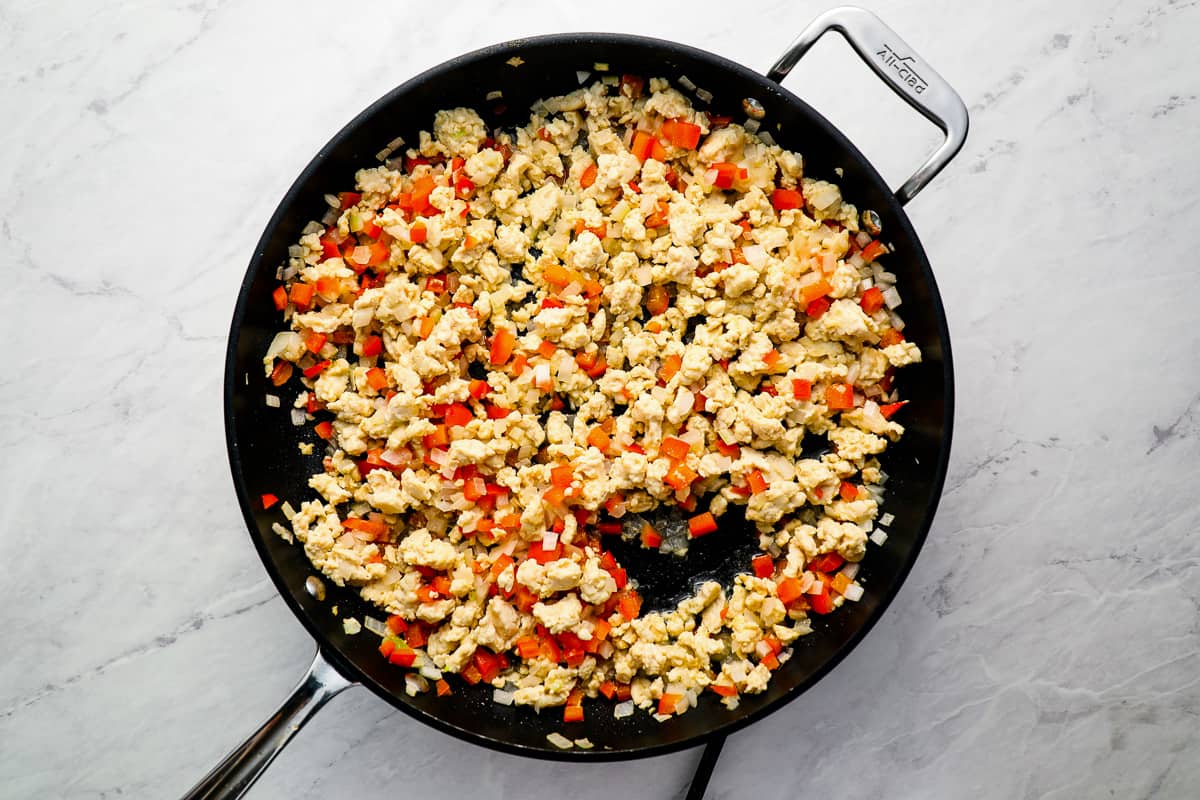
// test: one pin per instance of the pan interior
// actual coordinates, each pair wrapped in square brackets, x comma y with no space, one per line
[263,442]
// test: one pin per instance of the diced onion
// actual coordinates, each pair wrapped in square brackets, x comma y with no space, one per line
[624,709]
[509,546]
[362,317]
[581,76]
[273,400]
[853,593]
[643,275]
[887,519]
[756,254]
[438,456]
[879,536]
[572,289]
[298,416]
[704,96]
[333,201]
[686,83]
[502,697]
[862,238]
[284,340]
[495,94]
[605,650]
[375,626]
[751,125]
[600,66]
[312,227]
[295,251]
[351,626]
[288,512]
[851,570]
[361,254]
[283,532]
[662,717]
[584,744]
[866,283]
[549,540]
[891,297]
[720,463]
[414,685]
[560,741]
[428,670]
[897,323]
[767,138]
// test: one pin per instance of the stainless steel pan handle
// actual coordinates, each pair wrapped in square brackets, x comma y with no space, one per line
[902,69]
[240,769]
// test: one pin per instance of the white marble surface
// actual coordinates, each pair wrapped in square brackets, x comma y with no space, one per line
[1046,645]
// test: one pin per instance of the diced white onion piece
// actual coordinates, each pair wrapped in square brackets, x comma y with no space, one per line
[509,546]
[704,95]
[851,570]
[581,76]
[584,744]
[361,254]
[624,709]
[662,717]
[375,626]
[414,685]
[721,463]
[549,540]
[891,297]
[866,283]
[394,457]
[762,648]
[502,697]
[279,273]
[755,255]
[572,289]
[751,125]
[710,177]
[852,374]
[428,670]
[600,66]
[495,94]
[283,340]
[853,593]
[283,532]
[541,374]
[879,536]
[897,323]
[333,201]
[605,650]
[362,317]
[767,138]
[862,238]
[643,275]
[560,741]
[887,519]
[351,626]
[438,456]
[298,416]
[312,227]
[295,251]
[686,83]
[273,400]
[288,511]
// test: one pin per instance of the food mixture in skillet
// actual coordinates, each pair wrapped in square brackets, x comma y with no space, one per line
[514,342]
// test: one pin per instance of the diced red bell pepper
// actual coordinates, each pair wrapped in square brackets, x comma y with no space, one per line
[872,300]
[891,408]
[726,173]
[269,500]
[839,396]
[764,566]
[504,341]
[458,414]
[702,524]
[681,133]
[280,296]
[826,562]
[783,199]
[788,591]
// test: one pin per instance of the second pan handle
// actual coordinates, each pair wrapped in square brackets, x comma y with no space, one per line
[902,69]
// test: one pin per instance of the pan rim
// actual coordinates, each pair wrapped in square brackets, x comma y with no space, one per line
[345,665]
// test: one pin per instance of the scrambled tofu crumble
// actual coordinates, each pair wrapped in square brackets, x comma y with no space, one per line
[515,341]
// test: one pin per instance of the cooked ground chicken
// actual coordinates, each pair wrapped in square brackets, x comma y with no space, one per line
[516,340]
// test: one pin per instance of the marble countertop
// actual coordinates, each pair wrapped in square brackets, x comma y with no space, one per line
[1046,644]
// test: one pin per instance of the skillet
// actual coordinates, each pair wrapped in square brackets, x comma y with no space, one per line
[262,442]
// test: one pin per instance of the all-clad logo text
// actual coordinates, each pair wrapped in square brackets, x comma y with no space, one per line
[904,67]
